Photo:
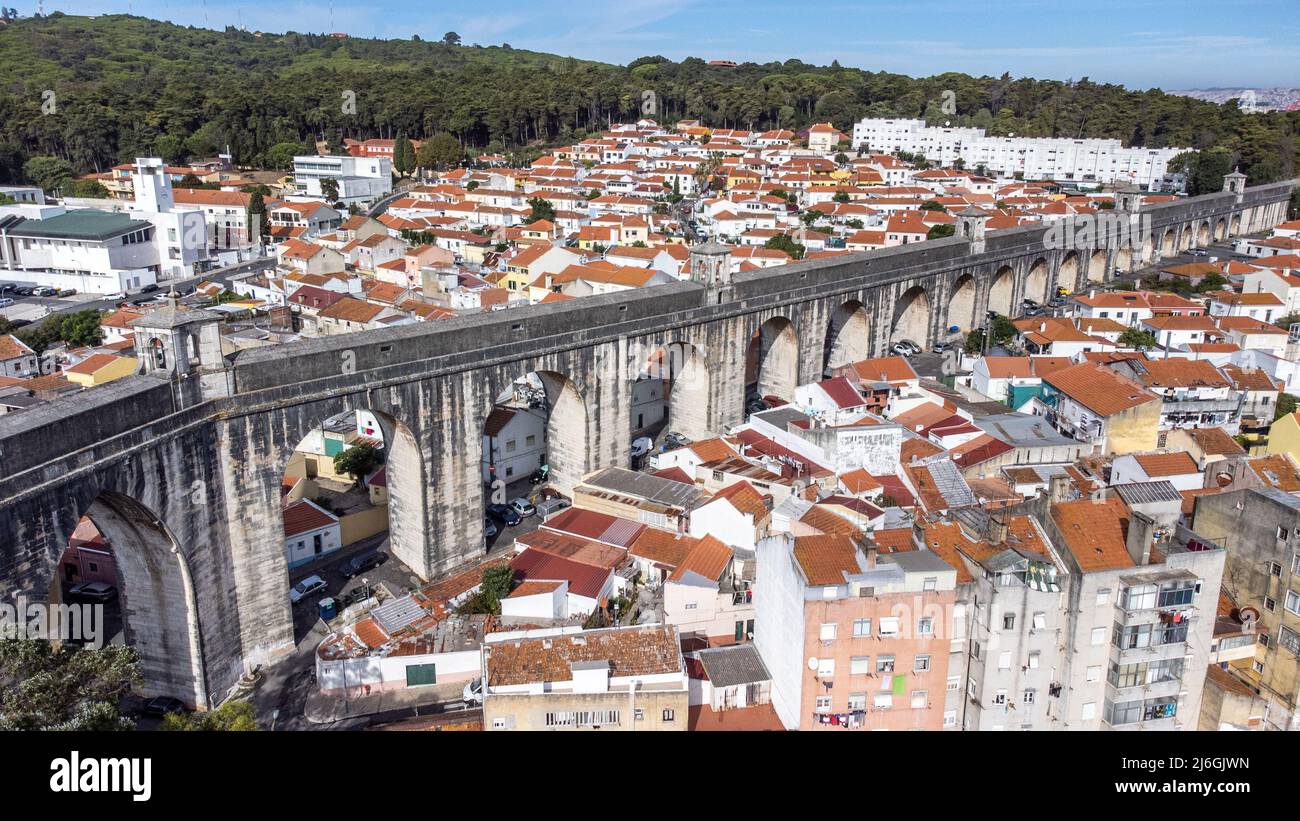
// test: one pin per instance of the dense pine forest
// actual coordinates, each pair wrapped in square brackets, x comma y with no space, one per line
[127,86]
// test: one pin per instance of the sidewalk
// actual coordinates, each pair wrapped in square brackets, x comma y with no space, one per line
[323,709]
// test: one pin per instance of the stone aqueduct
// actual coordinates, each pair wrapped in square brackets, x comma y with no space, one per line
[183,473]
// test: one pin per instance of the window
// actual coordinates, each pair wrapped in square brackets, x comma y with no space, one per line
[1293,602]
[857,701]
[1099,635]
[930,584]
[1040,621]
[1004,660]
[1140,597]
[889,626]
[1034,659]
[1103,596]
[530,440]
[638,714]
[861,628]
[581,718]
[1289,639]
[823,704]
[1177,594]
[860,665]
[885,664]
[920,699]
[1270,604]
[1258,666]
[925,626]
[1275,570]
[950,718]
[825,668]
[1281,533]
[828,631]
[670,714]
[1295,565]
[883,700]
[921,664]
[1008,621]
[510,445]
[421,674]
[1000,697]
[1028,697]
[1093,673]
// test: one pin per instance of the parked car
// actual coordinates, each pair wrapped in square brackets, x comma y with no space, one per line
[163,705]
[1198,252]
[676,440]
[899,349]
[117,296]
[910,345]
[504,515]
[754,406]
[548,506]
[473,692]
[67,292]
[641,446]
[490,530]
[96,592]
[304,588]
[44,290]
[149,289]
[5,302]
[943,347]
[522,507]
[360,563]
[540,475]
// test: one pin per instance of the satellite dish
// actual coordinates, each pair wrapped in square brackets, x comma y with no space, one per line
[812,662]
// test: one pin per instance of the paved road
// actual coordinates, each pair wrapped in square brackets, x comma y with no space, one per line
[34,308]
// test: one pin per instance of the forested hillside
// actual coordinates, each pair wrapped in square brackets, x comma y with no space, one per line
[127,86]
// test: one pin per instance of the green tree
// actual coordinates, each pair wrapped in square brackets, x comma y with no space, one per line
[440,152]
[451,38]
[941,231]
[1139,339]
[496,584]
[81,329]
[784,242]
[50,173]
[403,155]
[232,716]
[1286,404]
[933,205]
[85,188]
[358,461]
[258,224]
[280,156]
[541,209]
[329,189]
[63,687]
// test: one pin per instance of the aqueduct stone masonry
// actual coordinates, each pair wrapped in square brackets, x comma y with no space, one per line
[181,465]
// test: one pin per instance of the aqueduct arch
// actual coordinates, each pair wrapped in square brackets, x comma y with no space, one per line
[848,339]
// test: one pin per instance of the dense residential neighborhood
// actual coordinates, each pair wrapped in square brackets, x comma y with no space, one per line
[678,425]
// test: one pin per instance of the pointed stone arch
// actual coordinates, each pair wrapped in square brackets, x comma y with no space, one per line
[1002,290]
[772,360]
[961,305]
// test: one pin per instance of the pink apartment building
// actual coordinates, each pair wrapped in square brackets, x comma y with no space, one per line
[854,639]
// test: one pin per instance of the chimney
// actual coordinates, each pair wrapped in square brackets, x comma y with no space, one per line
[1141,532]
[871,555]
[996,530]
[1058,489]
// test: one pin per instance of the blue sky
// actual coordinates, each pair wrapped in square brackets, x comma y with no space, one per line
[1139,43]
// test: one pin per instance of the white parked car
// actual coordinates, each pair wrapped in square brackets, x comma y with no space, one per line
[473,692]
[305,588]
[641,446]
[523,507]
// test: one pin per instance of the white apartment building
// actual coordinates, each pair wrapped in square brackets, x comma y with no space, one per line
[98,252]
[1140,613]
[361,180]
[1034,158]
